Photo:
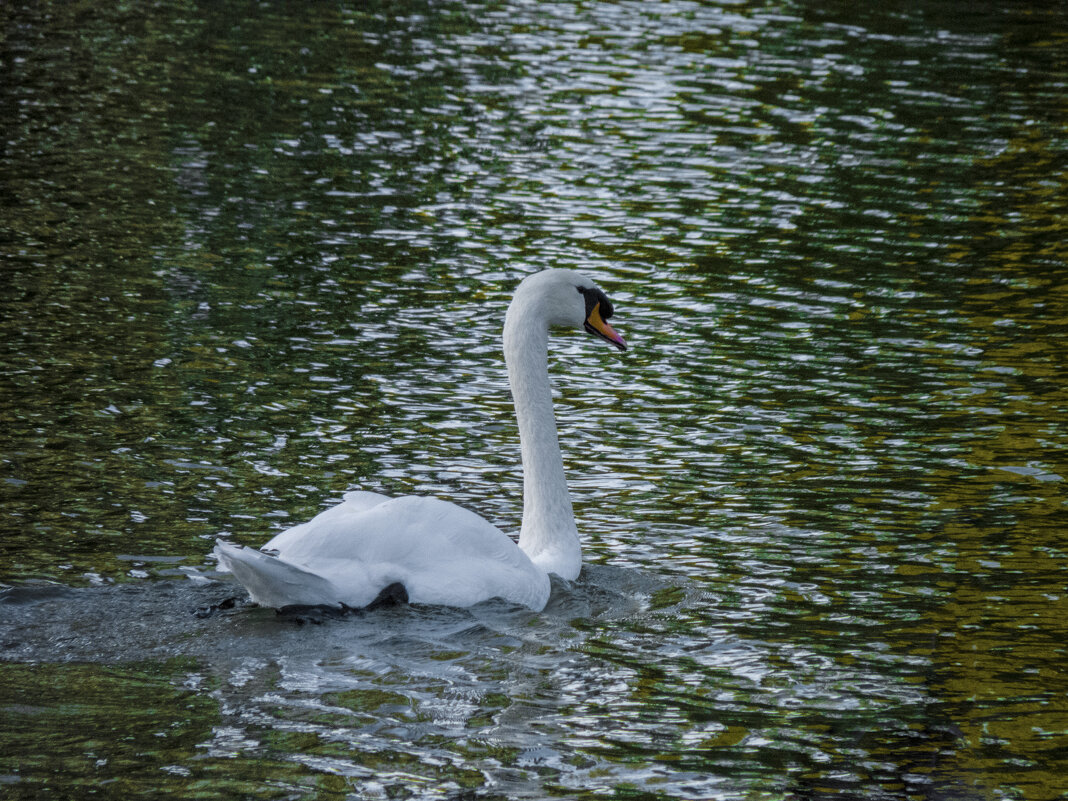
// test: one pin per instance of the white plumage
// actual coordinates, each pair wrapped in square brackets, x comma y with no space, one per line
[440,552]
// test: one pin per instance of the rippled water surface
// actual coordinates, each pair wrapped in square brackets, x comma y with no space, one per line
[256,255]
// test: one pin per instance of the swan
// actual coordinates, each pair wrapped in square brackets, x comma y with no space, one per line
[371,547]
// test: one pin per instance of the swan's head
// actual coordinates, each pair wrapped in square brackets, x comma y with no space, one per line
[571,300]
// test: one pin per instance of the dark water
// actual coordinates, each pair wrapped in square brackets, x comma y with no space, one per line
[255,255]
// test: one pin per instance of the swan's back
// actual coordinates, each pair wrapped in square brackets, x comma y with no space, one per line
[440,552]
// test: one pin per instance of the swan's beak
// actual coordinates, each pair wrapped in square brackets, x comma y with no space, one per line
[595,325]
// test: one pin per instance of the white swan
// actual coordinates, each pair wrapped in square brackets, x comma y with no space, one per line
[438,552]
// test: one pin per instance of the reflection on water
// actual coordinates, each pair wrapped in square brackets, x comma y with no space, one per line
[257,257]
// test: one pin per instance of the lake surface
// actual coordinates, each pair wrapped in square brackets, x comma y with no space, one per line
[256,255]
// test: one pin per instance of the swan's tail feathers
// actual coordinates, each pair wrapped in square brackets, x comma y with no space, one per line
[274,582]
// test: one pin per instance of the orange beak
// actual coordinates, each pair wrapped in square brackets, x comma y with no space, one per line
[595,325]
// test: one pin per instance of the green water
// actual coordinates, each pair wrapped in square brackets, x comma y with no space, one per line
[255,255]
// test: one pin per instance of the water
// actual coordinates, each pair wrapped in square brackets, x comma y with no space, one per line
[257,256]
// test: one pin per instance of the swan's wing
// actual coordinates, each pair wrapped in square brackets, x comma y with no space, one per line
[446,554]
[441,552]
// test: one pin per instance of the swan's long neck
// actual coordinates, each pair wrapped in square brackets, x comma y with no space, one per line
[548,534]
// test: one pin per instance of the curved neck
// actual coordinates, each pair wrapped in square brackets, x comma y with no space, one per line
[548,534]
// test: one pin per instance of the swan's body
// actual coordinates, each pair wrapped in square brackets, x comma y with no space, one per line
[440,552]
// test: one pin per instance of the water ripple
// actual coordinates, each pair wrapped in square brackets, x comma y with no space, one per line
[257,261]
